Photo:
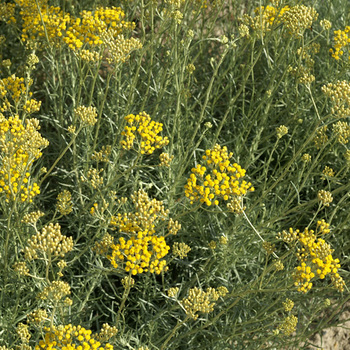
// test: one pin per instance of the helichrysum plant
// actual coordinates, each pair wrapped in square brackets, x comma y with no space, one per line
[151,151]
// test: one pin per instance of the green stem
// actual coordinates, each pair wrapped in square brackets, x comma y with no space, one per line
[60,156]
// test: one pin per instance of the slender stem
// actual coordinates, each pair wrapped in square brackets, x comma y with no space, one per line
[178,325]
[60,156]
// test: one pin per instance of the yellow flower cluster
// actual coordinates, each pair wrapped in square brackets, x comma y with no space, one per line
[288,305]
[88,28]
[165,159]
[147,129]
[341,41]
[264,18]
[21,268]
[296,18]
[52,23]
[339,93]
[12,90]
[70,337]
[218,179]
[19,146]
[315,257]
[50,242]
[103,154]
[201,301]
[23,332]
[141,250]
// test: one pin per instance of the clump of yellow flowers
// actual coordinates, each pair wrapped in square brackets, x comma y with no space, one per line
[71,337]
[341,41]
[139,249]
[296,18]
[218,179]
[20,146]
[147,129]
[315,257]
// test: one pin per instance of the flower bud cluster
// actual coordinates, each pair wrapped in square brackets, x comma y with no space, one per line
[325,197]
[48,242]
[342,131]
[289,324]
[72,337]
[88,115]
[55,291]
[321,137]
[264,18]
[201,301]
[173,227]
[37,316]
[103,155]
[315,257]
[12,90]
[64,202]
[181,250]
[119,47]
[21,268]
[32,218]
[7,12]
[339,93]
[147,130]
[217,180]
[106,333]
[298,18]
[165,159]
[327,173]
[288,305]
[23,333]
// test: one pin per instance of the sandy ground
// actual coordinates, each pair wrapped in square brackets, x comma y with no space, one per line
[335,338]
